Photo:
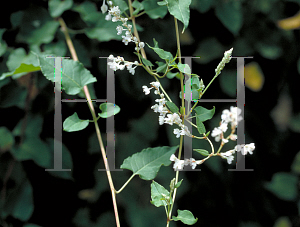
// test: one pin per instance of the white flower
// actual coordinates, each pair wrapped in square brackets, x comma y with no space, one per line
[178,165]
[177,132]
[108,17]
[216,132]
[161,120]
[225,59]
[192,162]
[119,30]
[155,108]
[114,10]
[104,7]
[126,39]
[244,149]
[226,116]
[115,19]
[124,20]
[239,147]
[130,69]
[223,127]
[185,130]
[141,45]
[249,148]
[173,118]
[227,55]
[228,155]
[116,64]
[156,84]
[146,90]
[173,158]
[225,140]
[232,116]
[233,137]
[163,110]
[161,101]
[135,40]
[113,65]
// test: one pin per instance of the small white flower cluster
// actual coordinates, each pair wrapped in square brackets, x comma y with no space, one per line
[179,164]
[161,108]
[244,149]
[114,14]
[116,64]
[232,117]
[225,59]
[248,148]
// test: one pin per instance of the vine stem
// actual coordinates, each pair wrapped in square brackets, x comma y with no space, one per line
[183,109]
[91,107]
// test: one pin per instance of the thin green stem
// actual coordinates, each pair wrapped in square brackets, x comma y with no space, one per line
[183,112]
[212,146]
[92,110]
[121,189]
[216,75]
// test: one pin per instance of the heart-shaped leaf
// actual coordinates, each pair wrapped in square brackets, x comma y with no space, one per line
[147,163]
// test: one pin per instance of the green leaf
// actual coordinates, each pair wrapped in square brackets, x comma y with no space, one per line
[20,63]
[200,125]
[20,203]
[172,107]
[230,14]
[57,7]
[296,164]
[202,151]
[33,128]
[122,5]
[44,34]
[33,148]
[108,110]
[73,123]
[180,9]
[283,185]
[3,45]
[184,68]
[89,13]
[162,67]
[228,82]
[294,123]
[195,82]
[37,26]
[208,50]
[146,62]
[159,195]
[163,3]
[74,75]
[186,217]
[171,75]
[147,163]
[202,5]
[99,28]
[102,34]
[204,114]
[6,139]
[153,10]
[269,50]
[178,184]
[161,53]
[13,95]
[138,7]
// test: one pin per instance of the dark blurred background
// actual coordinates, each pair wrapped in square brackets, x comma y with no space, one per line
[267,31]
